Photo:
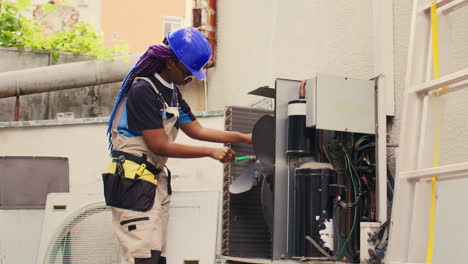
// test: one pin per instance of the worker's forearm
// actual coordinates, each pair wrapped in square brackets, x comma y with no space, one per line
[175,150]
[214,135]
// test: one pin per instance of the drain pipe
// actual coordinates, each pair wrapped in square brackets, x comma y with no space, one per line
[64,76]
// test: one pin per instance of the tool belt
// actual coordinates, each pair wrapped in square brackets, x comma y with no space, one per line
[132,184]
[138,160]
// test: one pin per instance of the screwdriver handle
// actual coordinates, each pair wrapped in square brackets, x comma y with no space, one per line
[244,158]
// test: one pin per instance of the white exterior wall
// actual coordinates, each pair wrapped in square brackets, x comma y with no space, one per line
[259,41]
[450,233]
[454,57]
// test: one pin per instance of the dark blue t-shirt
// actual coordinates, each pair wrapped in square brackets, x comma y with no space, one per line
[143,108]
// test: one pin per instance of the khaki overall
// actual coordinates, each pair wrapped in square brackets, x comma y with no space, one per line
[139,233]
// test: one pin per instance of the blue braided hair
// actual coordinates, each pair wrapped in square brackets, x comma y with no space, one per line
[153,60]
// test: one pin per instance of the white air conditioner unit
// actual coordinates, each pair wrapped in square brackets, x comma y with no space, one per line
[77,229]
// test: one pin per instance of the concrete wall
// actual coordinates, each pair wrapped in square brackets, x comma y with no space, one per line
[93,101]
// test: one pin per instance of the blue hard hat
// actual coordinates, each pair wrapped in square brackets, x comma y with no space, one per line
[192,49]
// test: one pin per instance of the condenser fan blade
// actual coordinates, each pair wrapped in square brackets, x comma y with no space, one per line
[249,178]
[267,165]
[267,202]
[263,140]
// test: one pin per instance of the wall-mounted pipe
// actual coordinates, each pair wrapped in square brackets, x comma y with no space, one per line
[204,18]
[64,76]
[212,29]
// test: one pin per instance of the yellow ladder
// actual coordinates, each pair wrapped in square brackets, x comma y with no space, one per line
[412,226]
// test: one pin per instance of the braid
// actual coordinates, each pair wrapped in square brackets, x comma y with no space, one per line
[150,62]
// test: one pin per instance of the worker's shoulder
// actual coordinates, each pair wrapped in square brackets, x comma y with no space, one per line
[141,83]
[141,88]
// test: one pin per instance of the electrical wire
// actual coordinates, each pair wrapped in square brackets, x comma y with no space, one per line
[360,141]
[352,167]
[338,255]
[328,157]
[353,171]
[367,182]
[366,146]
[358,194]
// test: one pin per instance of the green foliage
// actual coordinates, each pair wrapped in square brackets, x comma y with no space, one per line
[21,32]
[23,4]
[49,7]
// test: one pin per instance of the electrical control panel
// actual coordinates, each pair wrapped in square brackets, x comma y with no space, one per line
[340,104]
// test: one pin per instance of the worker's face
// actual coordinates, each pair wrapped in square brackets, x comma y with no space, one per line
[180,75]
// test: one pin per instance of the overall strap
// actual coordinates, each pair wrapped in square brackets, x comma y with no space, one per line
[169,176]
[148,80]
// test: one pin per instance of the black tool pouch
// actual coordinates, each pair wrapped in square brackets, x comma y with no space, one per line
[126,193]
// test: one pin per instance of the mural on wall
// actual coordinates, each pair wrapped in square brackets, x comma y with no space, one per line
[63,18]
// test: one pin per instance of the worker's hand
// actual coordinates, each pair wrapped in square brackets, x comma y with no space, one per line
[230,156]
[223,154]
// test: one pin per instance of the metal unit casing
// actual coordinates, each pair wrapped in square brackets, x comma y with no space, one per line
[286,90]
[340,104]
[333,103]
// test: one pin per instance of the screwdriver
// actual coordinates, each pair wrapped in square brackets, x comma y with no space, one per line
[245,158]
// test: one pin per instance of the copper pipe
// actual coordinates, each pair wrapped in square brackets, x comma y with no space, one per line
[212,33]
[302,89]
[197,17]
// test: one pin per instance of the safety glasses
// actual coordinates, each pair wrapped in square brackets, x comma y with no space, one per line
[187,74]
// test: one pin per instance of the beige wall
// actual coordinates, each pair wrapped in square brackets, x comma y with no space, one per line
[137,23]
